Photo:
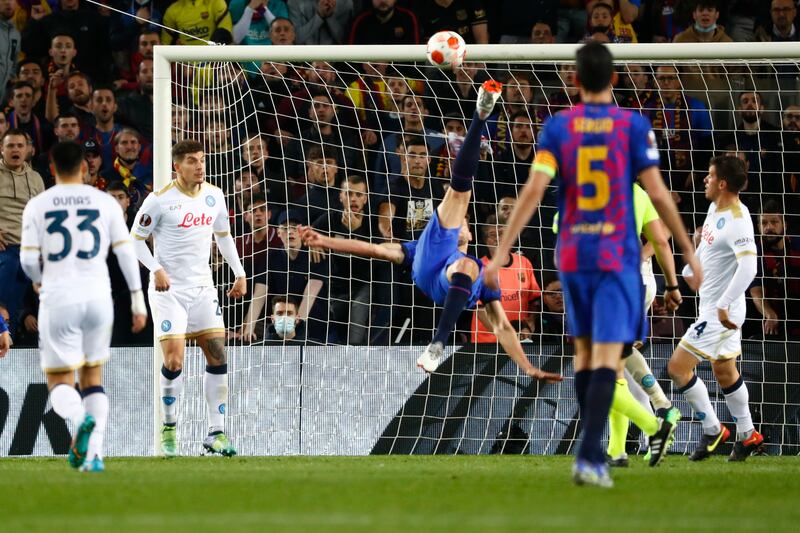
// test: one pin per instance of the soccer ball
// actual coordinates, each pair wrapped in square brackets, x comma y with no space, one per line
[446,49]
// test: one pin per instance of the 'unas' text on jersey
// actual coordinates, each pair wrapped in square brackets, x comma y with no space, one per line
[72,226]
[727,236]
[182,226]
[599,150]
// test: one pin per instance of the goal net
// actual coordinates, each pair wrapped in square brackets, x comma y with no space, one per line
[358,142]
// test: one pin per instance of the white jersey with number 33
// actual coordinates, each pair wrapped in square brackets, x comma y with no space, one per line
[72,226]
[182,225]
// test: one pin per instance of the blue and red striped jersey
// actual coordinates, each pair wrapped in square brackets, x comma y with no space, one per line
[598,151]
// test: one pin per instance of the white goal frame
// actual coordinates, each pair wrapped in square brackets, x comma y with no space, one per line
[164,56]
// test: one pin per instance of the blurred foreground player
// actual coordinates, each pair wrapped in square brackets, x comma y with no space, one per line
[599,149]
[71,227]
[440,266]
[183,217]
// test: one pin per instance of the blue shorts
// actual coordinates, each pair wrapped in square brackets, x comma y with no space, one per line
[605,306]
[437,249]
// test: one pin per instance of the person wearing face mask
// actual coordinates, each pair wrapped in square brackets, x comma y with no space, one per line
[705,28]
[285,324]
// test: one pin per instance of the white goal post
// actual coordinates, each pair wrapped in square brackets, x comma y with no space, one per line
[165,58]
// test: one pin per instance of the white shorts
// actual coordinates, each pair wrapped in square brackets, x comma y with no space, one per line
[708,339]
[75,335]
[186,312]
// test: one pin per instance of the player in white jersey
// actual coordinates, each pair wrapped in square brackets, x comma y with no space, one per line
[71,227]
[182,218]
[727,253]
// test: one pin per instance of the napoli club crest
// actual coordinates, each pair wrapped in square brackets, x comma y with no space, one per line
[210,202]
[166,325]
[720,223]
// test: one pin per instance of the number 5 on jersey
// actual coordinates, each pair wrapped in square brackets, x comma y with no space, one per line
[589,176]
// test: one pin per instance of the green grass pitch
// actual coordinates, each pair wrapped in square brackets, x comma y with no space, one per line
[410,494]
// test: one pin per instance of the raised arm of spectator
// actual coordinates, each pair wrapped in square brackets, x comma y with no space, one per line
[257,303]
[763,306]
[629,10]
[310,293]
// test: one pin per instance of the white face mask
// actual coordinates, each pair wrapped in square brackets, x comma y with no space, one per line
[284,325]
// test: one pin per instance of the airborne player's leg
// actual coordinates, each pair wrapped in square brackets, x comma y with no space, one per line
[451,214]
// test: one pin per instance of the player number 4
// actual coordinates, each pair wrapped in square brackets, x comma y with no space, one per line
[589,176]
[699,328]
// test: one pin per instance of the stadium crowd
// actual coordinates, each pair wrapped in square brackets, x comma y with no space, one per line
[363,150]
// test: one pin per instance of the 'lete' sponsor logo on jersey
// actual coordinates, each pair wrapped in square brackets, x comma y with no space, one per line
[190,220]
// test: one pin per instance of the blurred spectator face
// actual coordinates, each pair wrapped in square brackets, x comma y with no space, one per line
[416,160]
[62,50]
[145,76]
[791,118]
[783,13]
[741,156]
[455,126]
[517,91]
[288,233]
[322,171]
[284,318]
[32,73]
[751,107]
[67,128]
[491,237]
[414,109]
[320,72]
[122,199]
[705,16]
[15,151]
[354,195]
[522,130]
[104,105]
[567,74]
[3,123]
[542,34]
[772,228]
[180,121]
[668,82]
[398,88]
[274,70]
[259,215]
[146,43]
[69,5]
[553,298]
[255,151]
[217,135]
[281,31]
[383,7]
[128,147]
[7,8]
[601,17]
[95,162]
[79,90]
[468,71]
[322,109]
[504,208]
[248,182]
[638,77]
[22,100]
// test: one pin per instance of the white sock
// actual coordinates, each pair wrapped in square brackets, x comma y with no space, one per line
[215,388]
[637,365]
[738,400]
[66,402]
[171,387]
[96,404]
[638,392]
[697,395]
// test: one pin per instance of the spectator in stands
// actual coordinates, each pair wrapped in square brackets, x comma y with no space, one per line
[94,160]
[791,150]
[78,101]
[571,20]
[322,172]
[222,156]
[260,176]
[285,324]
[198,18]
[552,315]
[757,137]
[3,123]
[517,157]
[601,21]
[351,277]
[517,285]
[22,116]
[104,106]
[541,33]
[18,184]
[409,200]
[125,28]
[10,44]
[254,243]
[321,21]
[281,32]
[147,40]
[705,28]
[385,23]
[31,71]
[136,109]
[511,21]
[636,87]
[517,98]
[783,13]
[623,13]
[62,52]
[465,17]
[775,292]
[127,167]
[662,20]
[88,29]
[252,19]
[562,98]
